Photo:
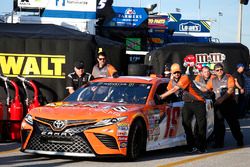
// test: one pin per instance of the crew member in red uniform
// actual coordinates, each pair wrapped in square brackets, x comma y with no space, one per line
[194,105]
[102,69]
[225,107]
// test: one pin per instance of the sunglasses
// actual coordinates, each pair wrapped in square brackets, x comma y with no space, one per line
[220,69]
[101,59]
[177,72]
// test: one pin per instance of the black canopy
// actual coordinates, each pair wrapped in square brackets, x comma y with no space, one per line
[229,54]
[46,53]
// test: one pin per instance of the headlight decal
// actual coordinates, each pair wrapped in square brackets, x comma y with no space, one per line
[28,118]
[109,121]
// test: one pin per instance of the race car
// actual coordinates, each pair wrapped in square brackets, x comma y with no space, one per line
[108,117]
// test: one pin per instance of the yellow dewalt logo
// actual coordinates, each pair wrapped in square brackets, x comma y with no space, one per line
[32,65]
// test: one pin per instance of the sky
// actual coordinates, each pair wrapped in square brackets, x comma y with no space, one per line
[224,27]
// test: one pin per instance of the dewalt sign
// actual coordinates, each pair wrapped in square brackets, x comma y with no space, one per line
[32,65]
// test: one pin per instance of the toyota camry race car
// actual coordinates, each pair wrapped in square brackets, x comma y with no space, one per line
[108,117]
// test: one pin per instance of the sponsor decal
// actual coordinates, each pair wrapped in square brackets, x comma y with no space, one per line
[32,65]
[123,144]
[156,131]
[190,27]
[122,133]
[123,126]
[120,109]
[122,138]
[122,129]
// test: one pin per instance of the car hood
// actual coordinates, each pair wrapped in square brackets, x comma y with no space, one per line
[84,110]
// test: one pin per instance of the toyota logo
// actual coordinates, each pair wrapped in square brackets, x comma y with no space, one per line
[58,124]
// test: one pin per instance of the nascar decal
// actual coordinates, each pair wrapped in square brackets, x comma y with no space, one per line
[120,109]
[32,65]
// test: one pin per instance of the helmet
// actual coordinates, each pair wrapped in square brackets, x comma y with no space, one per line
[175,68]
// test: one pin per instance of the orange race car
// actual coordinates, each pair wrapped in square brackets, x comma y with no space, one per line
[108,117]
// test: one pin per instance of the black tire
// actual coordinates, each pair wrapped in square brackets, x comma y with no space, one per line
[136,141]
[138,69]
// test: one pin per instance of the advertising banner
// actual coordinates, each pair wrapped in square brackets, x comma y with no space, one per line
[128,17]
[82,9]
[158,22]
[191,27]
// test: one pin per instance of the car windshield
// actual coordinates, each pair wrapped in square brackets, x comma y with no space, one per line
[133,93]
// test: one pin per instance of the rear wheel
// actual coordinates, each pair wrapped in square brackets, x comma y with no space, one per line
[136,141]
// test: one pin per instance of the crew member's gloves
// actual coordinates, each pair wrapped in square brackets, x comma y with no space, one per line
[221,99]
[115,75]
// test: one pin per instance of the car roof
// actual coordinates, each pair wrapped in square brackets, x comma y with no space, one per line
[130,79]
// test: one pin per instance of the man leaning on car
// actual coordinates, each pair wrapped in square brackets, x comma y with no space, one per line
[194,105]
[225,106]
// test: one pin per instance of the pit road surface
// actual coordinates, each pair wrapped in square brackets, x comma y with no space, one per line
[230,156]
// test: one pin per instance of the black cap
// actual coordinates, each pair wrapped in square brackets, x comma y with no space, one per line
[79,64]
[218,65]
[240,65]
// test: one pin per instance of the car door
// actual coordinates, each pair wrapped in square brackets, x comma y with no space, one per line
[164,122]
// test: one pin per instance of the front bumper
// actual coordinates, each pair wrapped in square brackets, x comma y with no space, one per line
[83,143]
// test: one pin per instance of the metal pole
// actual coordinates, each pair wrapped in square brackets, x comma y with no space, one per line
[199,9]
[240,23]
[12,16]
[159,7]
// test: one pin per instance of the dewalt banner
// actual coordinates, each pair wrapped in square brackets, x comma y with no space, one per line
[46,54]
[32,65]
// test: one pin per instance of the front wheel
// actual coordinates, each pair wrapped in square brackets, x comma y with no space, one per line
[136,141]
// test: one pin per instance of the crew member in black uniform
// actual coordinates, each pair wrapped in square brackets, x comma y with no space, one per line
[77,78]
